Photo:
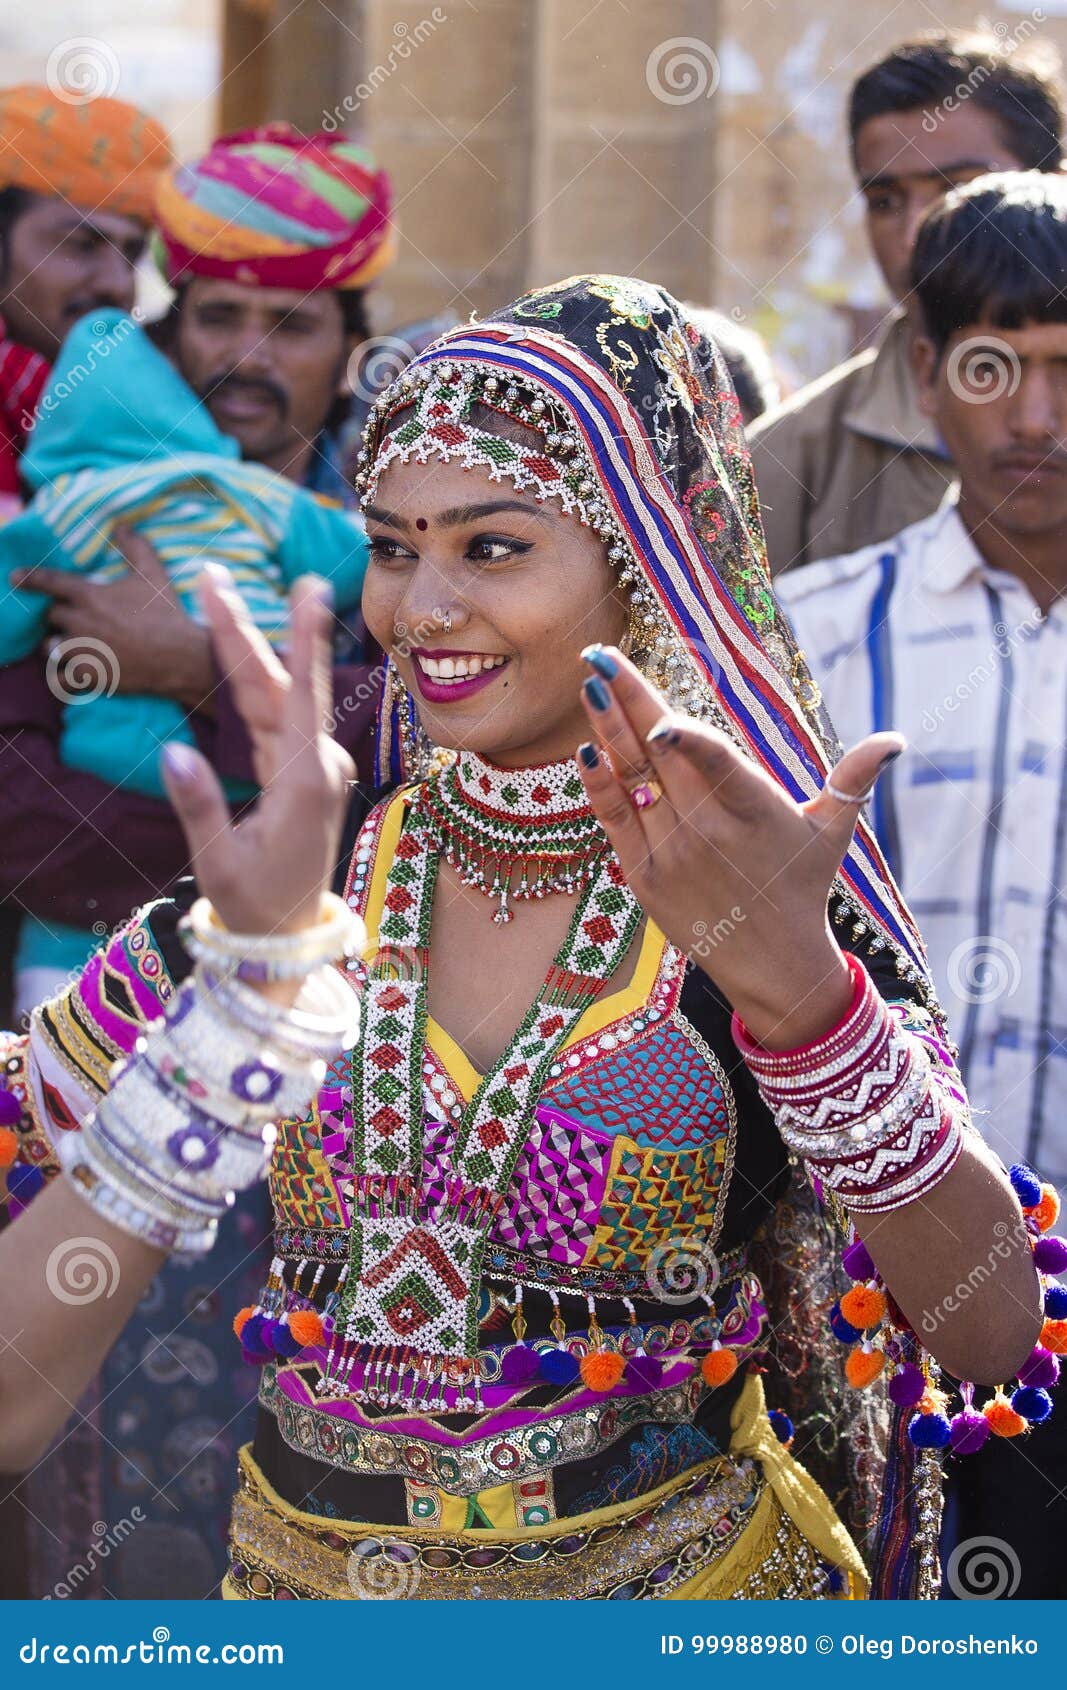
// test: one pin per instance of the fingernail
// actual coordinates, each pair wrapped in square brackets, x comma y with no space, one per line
[596,692]
[890,757]
[180,762]
[588,755]
[218,573]
[663,734]
[322,590]
[598,659]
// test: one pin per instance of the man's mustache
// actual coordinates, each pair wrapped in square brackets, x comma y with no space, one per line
[230,381]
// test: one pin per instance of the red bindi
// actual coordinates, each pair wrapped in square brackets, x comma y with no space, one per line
[421,524]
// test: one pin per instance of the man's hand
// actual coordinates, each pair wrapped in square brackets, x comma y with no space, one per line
[157,648]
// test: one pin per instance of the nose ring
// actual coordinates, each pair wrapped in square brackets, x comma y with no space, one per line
[446,621]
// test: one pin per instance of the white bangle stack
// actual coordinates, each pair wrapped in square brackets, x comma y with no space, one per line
[189,1119]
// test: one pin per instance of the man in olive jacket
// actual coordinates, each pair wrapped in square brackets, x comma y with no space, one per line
[850,459]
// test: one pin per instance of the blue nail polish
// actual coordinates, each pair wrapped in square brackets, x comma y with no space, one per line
[588,755]
[596,692]
[598,659]
[663,734]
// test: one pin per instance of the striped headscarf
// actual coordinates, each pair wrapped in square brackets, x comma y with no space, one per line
[100,154]
[271,207]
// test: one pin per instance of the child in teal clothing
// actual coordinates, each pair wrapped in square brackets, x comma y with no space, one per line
[121,439]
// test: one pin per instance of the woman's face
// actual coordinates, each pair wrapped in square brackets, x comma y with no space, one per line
[525,587]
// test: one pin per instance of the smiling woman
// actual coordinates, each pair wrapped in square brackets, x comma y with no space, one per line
[548,1230]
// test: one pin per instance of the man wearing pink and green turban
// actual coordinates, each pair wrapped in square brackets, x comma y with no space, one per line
[270,241]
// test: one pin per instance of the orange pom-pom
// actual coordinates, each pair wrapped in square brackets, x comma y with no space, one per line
[1003,1420]
[718,1366]
[863,1307]
[1047,1212]
[9,1147]
[601,1370]
[1054,1336]
[240,1318]
[863,1367]
[306,1327]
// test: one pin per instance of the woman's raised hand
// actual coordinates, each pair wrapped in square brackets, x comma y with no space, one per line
[735,872]
[267,873]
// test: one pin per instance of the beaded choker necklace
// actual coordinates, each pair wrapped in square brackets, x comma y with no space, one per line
[514,833]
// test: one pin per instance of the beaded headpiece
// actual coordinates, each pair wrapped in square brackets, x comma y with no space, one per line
[634,428]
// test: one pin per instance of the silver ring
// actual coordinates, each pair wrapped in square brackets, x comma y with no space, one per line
[446,621]
[846,797]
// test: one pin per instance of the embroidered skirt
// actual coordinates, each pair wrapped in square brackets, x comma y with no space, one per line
[747,1525]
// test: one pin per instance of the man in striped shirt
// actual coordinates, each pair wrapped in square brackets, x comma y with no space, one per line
[955,632]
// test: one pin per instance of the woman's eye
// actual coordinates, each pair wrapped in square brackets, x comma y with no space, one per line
[486,549]
[384,550]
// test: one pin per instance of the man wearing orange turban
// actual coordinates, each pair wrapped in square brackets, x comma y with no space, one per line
[77,182]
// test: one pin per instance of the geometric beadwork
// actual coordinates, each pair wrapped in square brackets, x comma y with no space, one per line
[655,1196]
[658,1089]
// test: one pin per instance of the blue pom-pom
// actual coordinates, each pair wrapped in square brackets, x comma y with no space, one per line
[282,1341]
[1056,1302]
[782,1425]
[1032,1403]
[254,1343]
[1026,1185]
[24,1182]
[558,1367]
[843,1330]
[929,1431]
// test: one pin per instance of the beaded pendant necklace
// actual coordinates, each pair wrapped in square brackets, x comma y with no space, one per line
[514,833]
[416,1247]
